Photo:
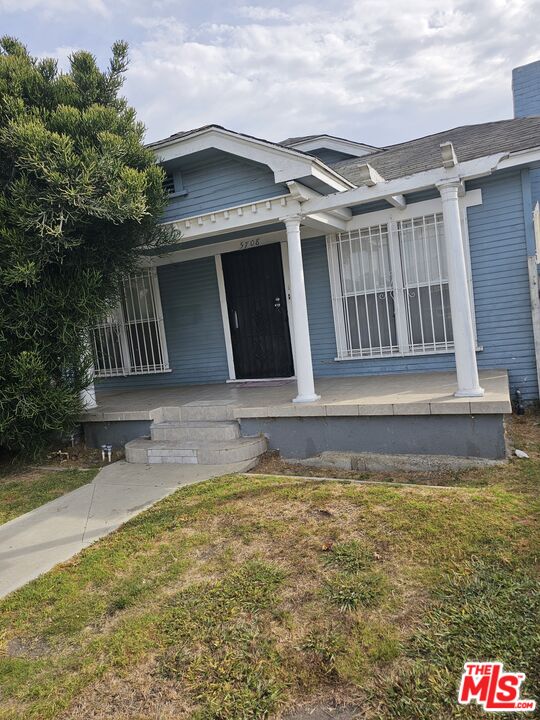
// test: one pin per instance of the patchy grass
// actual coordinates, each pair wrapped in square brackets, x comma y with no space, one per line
[243,598]
[22,490]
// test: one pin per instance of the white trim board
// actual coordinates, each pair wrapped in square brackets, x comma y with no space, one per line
[235,218]
[390,217]
[287,284]
[425,207]
[286,163]
[468,170]
[329,142]
[225,317]
[225,309]
[224,246]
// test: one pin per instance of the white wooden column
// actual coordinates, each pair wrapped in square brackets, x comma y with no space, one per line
[302,345]
[458,286]
[88,395]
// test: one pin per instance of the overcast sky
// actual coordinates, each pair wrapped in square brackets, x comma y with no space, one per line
[376,71]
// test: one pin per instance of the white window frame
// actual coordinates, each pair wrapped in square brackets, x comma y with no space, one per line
[391,218]
[120,323]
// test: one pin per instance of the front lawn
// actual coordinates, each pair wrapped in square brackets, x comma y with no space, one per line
[250,597]
[23,490]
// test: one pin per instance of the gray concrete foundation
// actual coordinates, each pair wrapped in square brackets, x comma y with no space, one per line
[479,436]
[115,433]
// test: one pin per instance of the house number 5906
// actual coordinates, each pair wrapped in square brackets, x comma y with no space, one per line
[246,244]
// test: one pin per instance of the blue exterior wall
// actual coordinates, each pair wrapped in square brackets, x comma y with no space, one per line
[213,179]
[501,293]
[526,93]
[193,327]
[535,186]
[194,330]
[330,156]
[526,89]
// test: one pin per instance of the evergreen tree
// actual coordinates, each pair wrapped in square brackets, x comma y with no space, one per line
[79,200]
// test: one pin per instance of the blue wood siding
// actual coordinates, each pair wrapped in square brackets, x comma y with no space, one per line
[535,186]
[526,89]
[501,292]
[214,180]
[328,156]
[193,326]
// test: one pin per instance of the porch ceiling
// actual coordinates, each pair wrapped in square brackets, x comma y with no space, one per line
[404,394]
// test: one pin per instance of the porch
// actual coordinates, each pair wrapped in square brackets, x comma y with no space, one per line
[413,412]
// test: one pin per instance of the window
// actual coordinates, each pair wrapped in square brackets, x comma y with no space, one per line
[173,183]
[132,340]
[390,289]
[168,184]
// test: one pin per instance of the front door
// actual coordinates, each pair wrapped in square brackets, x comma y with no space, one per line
[257,309]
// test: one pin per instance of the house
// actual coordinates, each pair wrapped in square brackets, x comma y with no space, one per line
[332,295]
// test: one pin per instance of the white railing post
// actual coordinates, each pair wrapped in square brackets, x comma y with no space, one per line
[302,345]
[458,287]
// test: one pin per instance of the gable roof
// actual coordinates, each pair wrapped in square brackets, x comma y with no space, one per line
[213,126]
[402,159]
[469,141]
[308,143]
[306,138]
[287,163]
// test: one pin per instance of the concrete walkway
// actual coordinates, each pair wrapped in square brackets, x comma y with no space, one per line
[32,544]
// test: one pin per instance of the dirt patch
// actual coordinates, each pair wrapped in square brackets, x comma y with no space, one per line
[325,711]
[78,456]
[30,648]
[142,695]
[271,463]
[528,428]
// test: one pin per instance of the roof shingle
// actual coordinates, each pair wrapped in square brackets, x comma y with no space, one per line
[469,141]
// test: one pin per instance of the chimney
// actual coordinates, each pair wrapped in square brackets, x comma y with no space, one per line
[526,89]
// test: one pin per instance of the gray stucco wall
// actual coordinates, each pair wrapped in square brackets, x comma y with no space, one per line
[461,435]
[116,433]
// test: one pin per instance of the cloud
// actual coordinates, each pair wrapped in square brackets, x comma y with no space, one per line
[55,7]
[358,68]
[255,12]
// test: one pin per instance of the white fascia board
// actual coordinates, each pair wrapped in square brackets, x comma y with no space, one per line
[239,217]
[285,163]
[338,144]
[397,201]
[424,207]
[522,157]
[410,183]
[222,246]
[322,172]
[301,192]
[326,222]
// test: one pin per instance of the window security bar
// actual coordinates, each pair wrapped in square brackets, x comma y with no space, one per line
[131,341]
[390,289]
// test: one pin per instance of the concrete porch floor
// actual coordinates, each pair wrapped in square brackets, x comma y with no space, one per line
[403,394]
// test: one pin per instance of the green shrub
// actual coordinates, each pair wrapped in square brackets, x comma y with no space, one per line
[79,198]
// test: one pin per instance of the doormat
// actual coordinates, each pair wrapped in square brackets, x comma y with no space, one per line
[262,383]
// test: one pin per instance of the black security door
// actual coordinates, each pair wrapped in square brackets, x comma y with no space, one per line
[258,312]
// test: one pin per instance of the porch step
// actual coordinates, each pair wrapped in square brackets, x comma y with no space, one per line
[202,452]
[194,430]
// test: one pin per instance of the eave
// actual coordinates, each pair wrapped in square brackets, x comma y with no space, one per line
[286,163]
